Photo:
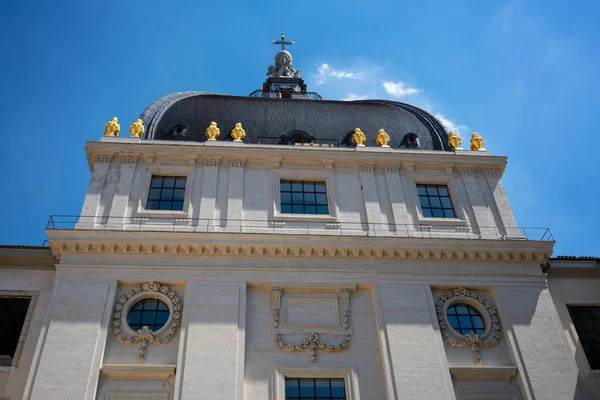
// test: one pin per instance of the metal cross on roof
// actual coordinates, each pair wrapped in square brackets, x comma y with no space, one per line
[282,42]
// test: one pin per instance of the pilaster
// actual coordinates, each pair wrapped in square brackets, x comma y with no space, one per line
[94,191]
[236,195]
[509,222]
[397,198]
[120,199]
[483,215]
[370,196]
[210,179]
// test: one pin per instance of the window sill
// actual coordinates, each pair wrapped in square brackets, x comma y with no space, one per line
[305,217]
[442,221]
[162,214]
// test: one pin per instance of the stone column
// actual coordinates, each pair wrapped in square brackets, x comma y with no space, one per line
[94,192]
[68,356]
[415,364]
[538,342]
[210,364]
[483,215]
[120,199]
[397,199]
[236,195]
[210,178]
[370,196]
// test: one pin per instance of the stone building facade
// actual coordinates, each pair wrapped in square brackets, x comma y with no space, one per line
[296,259]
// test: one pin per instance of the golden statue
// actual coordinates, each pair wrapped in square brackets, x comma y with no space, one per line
[454,141]
[112,128]
[212,132]
[238,133]
[383,138]
[358,137]
[137,129]
[477,142]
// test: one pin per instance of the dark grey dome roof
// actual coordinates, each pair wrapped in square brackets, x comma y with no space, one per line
[186,115]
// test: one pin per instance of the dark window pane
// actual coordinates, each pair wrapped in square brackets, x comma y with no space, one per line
[309,186]
[297,198]
[310,209]
[148,318]
[179,194]
[432,191]
[291,388]
[319,187]
[424,201]
[446,202]
[298,209]
[162,306]
[154,194]
[322,210]
[153,205]
[309,198]
[478,322]
[321,199]
[285,186]
[180,183]
[169,182]
[162,317]
[138,306]
[453,320]
[166,194]
[286,209]
[177,205]
[337,389]
[449,214]
[427,212]
[165,205]
[421,190]
[438,213]
[150,304]
[443,191]
[307,387]
[286,198]
[435,202]
[461,310]
[134,317]
[296,186]
[156,181]
[322,388]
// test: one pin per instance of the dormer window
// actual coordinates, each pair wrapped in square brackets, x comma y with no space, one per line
[299,138]
[179,131]
[412,141]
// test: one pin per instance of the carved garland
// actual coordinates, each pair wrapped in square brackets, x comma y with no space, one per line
[490,338]
[312,340]
[145,336]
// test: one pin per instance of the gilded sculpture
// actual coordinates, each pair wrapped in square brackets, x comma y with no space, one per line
[238,133]
[383,138]
[358,137]
[212,132]
[454,141]
[137,128]
[477,142]
[112,128]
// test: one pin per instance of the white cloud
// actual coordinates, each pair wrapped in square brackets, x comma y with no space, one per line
[326,72]
[398,89]
[355,96]
[451,125]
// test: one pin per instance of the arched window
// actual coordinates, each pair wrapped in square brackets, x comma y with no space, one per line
[412,141]
[298,138]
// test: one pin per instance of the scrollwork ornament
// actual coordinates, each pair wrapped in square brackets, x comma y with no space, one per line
[146,336]
[490,338]
[313,343]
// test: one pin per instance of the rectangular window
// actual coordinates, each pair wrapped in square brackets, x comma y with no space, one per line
[315,389]
[303,197]
[13,311]
[166,193]
[435,201]
[587,324]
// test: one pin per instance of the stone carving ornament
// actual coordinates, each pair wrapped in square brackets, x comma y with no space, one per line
[283,66]
[146,336]
[491,335]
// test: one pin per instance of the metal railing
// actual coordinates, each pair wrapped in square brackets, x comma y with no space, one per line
[304,227]
[286,95]
[289,141]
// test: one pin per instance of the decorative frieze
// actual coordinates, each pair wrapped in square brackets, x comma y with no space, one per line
[212,162]
[129,159]
[391,169]
[492,172]
[468,171]
[149,158]
[104,158]
[276,161]
[241,163]
[408,168]
[367,167]
[312,342]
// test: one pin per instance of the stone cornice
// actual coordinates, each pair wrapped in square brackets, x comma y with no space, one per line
[257,153]
[259,245]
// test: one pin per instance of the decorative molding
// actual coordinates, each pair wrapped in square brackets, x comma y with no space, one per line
[312,342]
[329,163]
[468,171]
[136,371]
[192,161]
[391,169]
[344,295]
[212,162]
[408,168]
[492,172]
[145,336]
[129,159]
[490,337]
[240,163]
[104,158]
[367,167]
[150,158]
[275,305]
[276,161]
[100,245]
[449,169]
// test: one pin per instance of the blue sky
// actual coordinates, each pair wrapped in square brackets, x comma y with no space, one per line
[523,74]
